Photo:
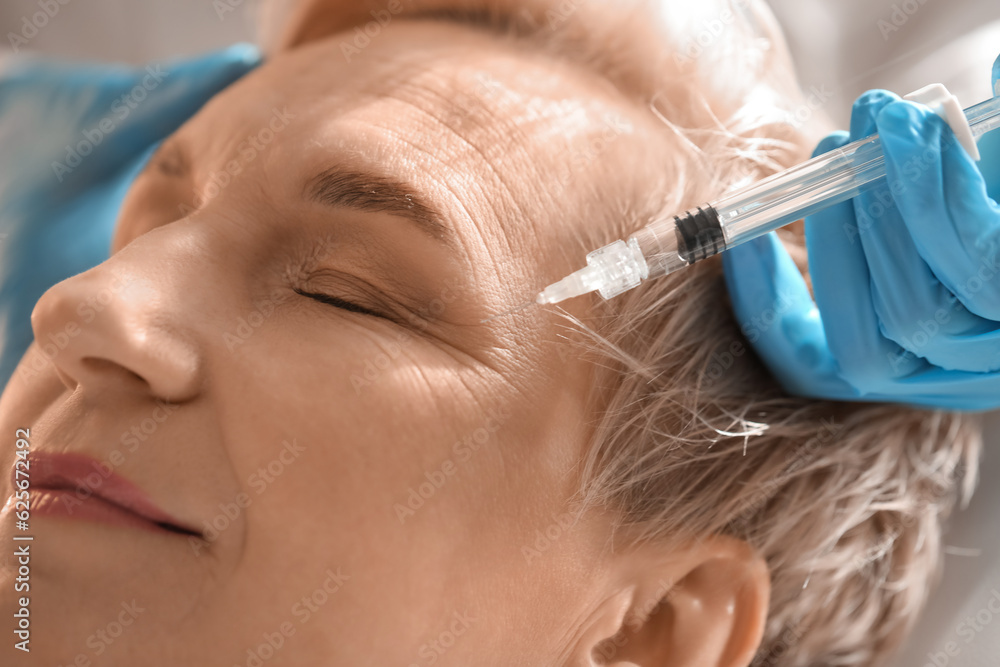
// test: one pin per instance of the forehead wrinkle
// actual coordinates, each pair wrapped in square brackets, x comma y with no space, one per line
[493,126]
[403,138]
[474,219]
[523,231]
[465,123]
[488,202]
[517,129]
[517,111]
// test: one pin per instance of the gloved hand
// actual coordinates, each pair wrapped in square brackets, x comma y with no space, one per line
[72,139]
[906,275]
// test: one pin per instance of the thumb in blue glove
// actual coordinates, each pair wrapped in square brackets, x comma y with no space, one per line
[95,118]
[908,308]
[996,77]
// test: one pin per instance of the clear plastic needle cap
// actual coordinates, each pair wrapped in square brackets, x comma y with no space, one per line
[579,282]
[611,270]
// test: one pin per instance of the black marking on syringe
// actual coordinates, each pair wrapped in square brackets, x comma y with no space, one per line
[699,234]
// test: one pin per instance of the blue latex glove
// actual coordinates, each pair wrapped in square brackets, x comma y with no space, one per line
[906,275]
[72,139]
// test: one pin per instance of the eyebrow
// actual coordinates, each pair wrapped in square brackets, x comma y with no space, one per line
[362,191]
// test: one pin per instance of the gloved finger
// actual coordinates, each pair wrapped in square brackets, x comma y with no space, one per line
[996,76]
[943,200]
[779,317]
[989,147]
[138,107]
[776,314]
[184,88]
[914,309]
[935,387]
[842,286]
[989,163]
[780,320]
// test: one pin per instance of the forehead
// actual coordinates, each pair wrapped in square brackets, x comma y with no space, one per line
[507,142]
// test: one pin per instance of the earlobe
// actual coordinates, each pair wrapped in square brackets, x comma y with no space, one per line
[705,605]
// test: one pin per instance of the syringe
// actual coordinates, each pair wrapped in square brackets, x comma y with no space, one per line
[669,244]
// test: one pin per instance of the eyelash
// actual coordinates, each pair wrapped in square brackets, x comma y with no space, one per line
[337,302]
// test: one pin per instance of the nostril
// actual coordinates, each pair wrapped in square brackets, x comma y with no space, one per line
[121,339]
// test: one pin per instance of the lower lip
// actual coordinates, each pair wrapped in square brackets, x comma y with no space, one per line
[67,504]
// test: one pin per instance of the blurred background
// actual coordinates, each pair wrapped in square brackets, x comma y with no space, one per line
[848,46]
[842,47]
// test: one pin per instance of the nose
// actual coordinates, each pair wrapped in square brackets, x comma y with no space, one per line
[115,327]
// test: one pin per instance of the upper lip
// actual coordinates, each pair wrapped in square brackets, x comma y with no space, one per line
[71,471]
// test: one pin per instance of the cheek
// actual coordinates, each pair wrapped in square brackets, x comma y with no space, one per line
[374,410]
[397,458]
[421,478]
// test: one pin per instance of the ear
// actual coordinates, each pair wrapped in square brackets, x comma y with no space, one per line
[704,605]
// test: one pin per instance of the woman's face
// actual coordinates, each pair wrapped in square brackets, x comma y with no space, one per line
[285,352]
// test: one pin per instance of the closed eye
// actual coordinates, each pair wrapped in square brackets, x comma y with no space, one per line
[340,303]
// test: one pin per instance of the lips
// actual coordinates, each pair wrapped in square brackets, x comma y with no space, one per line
[77,486]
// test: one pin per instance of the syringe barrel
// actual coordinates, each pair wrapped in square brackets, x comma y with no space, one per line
[672,243]
[823,181]
[669,244]
[660,246]
[808,188]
